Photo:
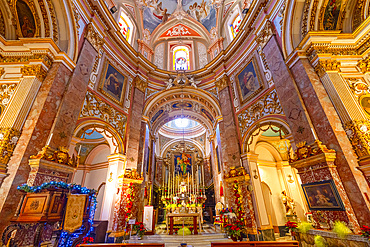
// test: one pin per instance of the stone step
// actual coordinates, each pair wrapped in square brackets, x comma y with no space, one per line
[201,240]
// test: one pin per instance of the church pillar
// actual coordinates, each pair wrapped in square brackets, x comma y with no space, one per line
[49,108]
[330,131]
[116,164]
[133,129]
[295,94]
[236,179]
[262,219]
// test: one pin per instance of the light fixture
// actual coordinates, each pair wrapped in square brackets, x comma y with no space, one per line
[255,174]
[110,179]
[290,180]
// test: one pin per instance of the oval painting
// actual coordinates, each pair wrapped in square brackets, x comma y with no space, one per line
[26,19]
[365,103]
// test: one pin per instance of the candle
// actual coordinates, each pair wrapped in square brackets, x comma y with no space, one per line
[203,179]
[48,142]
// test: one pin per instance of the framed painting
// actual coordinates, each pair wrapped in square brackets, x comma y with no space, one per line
[249,81]
[112,83]
[322,196]
[26,22]
[364,101]
[182,163]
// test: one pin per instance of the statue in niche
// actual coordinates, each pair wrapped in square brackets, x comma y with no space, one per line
[288,203]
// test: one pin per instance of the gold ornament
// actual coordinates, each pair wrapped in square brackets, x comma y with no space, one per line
[140,84]
[93,37]
[8,140]
[61,156]
[222,83]
[34,70]
[358,132]
[305,151]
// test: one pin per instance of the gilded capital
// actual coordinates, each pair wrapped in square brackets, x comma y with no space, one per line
[8,140]
[222,82]
[265,34]
[358,132]
[93,37]
[34,70]
[140,84]
[326,65]
[364,65]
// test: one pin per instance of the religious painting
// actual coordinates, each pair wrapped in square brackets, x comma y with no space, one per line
[74,212]
[322,196]
[156,12]
[365,103]
[112,83]
[248,82]
[331,14]
[203,11]
[182,163]
[26,20]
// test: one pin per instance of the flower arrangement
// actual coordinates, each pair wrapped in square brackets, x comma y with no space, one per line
[365,231]
[341,229]
[292,226]
[87,240]
[139,228]
[226,210]
[234,230]
[238,201]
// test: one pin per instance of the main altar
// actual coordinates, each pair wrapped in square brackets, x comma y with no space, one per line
[183,193]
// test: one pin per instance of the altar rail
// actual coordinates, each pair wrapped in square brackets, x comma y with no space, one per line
[257,244]
[121,244]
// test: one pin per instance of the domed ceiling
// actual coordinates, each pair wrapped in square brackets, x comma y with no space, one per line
[179,19]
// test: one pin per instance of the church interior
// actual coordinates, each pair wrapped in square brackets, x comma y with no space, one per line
[158,122]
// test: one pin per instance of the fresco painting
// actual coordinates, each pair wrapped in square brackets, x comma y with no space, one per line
[158,11]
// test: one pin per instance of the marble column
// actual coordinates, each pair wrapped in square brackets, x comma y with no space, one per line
[54,108]
[134,124]
[308,112]
[329,129]
[141,152]
[231,156]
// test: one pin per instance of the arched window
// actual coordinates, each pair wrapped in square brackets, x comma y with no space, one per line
[234,26]
[126,26]
[181,58]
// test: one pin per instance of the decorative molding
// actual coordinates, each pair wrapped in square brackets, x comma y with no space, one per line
[34,70]
[140,84]
[306,10]
[60,156]
[325,65]
[6,92]
[93,37]
[222,83]
[8,140]
[358,132]
[2,71]
[149,92]
[202,53]
[265,34]
[304,151]
[95,107]
[54,20]
[44,17]
[2,24]
[94,71]
[267,105]
[238,174]
[364,65]
[77,17]
[159,56]
[313,15]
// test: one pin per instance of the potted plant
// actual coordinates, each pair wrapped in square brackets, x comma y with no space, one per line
[292,227]
[234,231]
[365,232]
[139,228]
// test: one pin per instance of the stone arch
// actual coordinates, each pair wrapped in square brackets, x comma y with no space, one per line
[113,138]
[249,140]
[272,150]
[169,144]
[203,107]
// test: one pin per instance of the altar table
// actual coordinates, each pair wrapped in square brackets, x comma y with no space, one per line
[195,218]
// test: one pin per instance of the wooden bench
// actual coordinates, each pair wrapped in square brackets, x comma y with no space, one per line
[257,244]
[121,244]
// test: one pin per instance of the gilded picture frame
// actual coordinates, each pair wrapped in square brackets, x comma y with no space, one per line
[248,81]
[113,83]
[322,195]
[364,101]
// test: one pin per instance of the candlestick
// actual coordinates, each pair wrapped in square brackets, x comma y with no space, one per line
[48,142]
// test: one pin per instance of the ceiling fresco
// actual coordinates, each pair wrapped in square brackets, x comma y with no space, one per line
[157,12]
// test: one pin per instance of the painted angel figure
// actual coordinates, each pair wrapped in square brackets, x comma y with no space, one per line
[169,83]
